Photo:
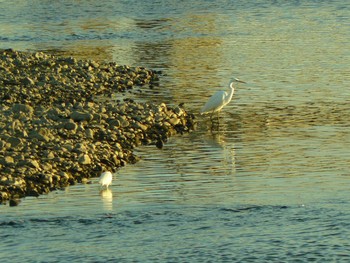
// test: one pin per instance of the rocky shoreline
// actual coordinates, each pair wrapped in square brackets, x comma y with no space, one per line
[55,131]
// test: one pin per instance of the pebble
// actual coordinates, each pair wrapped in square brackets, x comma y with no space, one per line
[72,126]
[81,116]
[55,129]
[84,159]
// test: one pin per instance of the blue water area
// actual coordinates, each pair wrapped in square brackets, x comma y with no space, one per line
[171,233]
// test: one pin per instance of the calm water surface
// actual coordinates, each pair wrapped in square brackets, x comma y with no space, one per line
[270,183]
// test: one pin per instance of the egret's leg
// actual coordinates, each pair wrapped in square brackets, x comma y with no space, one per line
[211,121]
[215,119]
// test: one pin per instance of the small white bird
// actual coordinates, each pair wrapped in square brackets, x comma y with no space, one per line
[105,179]
[219,99]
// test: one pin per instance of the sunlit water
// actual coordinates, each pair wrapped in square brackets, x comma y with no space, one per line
[270,183]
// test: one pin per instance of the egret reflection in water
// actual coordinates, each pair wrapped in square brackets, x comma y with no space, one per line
[107,198]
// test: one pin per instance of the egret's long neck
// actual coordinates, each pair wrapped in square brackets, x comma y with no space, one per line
[230,93]
[232,88]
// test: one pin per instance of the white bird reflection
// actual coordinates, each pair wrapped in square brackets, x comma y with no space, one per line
[107,199]
[219,148]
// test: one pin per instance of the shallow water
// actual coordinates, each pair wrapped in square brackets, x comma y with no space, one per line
[268,184]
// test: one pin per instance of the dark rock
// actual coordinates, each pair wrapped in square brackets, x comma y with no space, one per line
[84,159]
[81,116]
[28,81]
[7,160]
[14,202]
[37,135]
[71,126]
[16,108]
[14,141]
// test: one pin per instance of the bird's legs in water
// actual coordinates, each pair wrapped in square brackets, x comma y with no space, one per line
[217,116]
[215,122]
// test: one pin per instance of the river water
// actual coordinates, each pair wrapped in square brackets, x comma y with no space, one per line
[268,183]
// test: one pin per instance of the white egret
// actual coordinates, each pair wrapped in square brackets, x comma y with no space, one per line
[219,99]
[105,179]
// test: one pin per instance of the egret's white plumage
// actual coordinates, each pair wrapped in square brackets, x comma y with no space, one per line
[219,99]
[105,179]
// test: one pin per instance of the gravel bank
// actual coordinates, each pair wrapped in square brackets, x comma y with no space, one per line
[54,132]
